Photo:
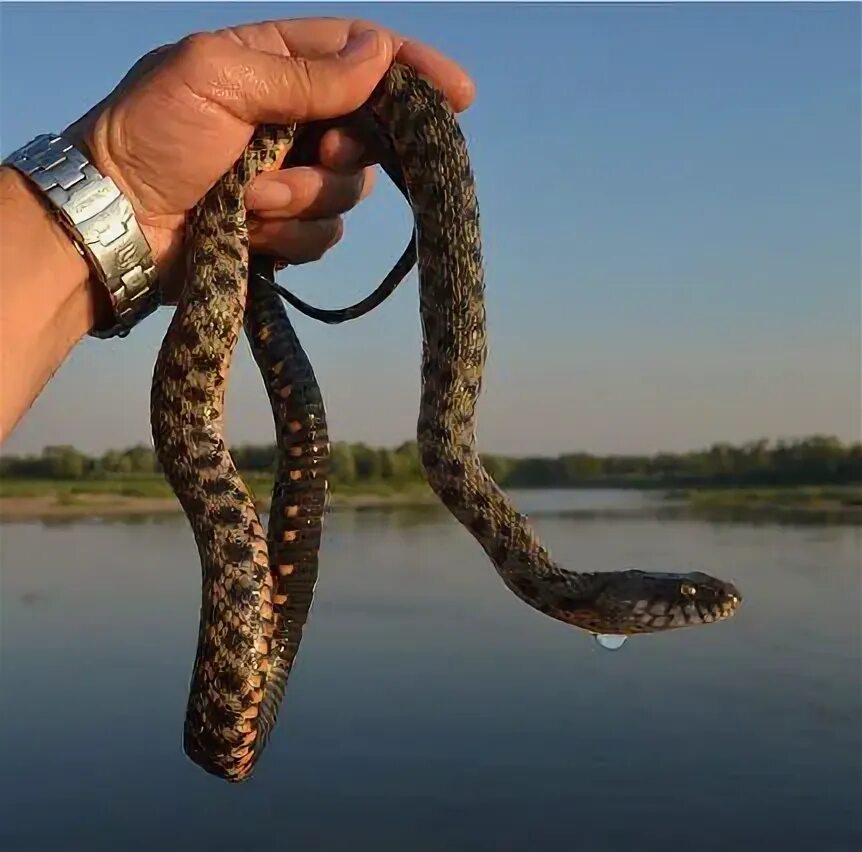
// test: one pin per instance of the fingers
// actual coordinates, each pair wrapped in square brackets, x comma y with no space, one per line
[319,36]
[293,239]
[259,87]
[303,36]
[296,212]
[446,74]
[307,192]
[341,152]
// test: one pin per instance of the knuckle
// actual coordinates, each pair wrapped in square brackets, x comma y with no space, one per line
[197,45]
[301,85]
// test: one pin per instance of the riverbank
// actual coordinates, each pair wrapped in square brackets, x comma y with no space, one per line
[799,498]
[34,499]
[28,499]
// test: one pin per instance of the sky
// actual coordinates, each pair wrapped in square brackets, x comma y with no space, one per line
[670,202]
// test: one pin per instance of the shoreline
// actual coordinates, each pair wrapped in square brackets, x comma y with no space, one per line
[82,506]
[14,509]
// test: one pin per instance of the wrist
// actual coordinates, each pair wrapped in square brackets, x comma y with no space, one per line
[101,223]
[62,275]
[49,300]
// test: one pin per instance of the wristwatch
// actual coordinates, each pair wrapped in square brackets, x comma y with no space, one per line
[101,223]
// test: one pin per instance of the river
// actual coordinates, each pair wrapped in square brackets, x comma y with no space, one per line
[432,710]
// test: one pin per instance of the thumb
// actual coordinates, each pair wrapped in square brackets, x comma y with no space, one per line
[260,87]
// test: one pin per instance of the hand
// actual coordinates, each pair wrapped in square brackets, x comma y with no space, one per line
[185,112]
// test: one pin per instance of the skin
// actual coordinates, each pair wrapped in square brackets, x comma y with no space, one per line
[171,128]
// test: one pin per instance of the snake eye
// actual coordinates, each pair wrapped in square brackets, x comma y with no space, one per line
[688,590]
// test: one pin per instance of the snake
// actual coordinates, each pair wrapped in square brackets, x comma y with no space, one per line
[257,586]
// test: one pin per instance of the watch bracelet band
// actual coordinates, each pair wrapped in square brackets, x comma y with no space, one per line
[101,223]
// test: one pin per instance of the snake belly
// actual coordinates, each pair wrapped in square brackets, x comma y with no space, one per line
[256,586]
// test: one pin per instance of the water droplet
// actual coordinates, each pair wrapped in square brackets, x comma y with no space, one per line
[610,641]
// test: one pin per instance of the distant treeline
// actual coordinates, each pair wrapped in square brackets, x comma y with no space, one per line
[817,460]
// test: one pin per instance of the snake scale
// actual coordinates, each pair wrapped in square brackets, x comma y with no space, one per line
[257,586]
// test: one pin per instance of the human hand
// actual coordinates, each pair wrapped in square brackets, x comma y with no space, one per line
[185,112]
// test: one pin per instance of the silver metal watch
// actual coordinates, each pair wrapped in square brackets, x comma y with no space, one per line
[101,223]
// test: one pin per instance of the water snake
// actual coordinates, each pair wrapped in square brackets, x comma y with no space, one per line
[257,588]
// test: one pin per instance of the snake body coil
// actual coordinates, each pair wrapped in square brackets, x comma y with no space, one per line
[257,588]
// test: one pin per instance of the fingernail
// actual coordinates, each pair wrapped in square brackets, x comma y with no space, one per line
[269,194]
[360,47]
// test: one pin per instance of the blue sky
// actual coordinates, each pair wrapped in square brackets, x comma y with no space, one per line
[671,218]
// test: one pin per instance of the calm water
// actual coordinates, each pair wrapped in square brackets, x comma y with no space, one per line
[431,710]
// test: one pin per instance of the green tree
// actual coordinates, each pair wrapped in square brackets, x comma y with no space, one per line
[65,462]
[342,464]
[367,462]
[580,467]
[141,459]
[499,467]
[386,463]
[406,462]
[537,472]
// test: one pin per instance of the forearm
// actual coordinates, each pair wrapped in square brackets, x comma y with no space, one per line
[47,300]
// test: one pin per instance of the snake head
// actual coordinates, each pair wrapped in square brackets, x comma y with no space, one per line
[648,602]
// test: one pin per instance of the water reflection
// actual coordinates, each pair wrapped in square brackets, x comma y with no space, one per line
[430,709]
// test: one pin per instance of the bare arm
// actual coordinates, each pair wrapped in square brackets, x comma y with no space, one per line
[209,91]
[47,301]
